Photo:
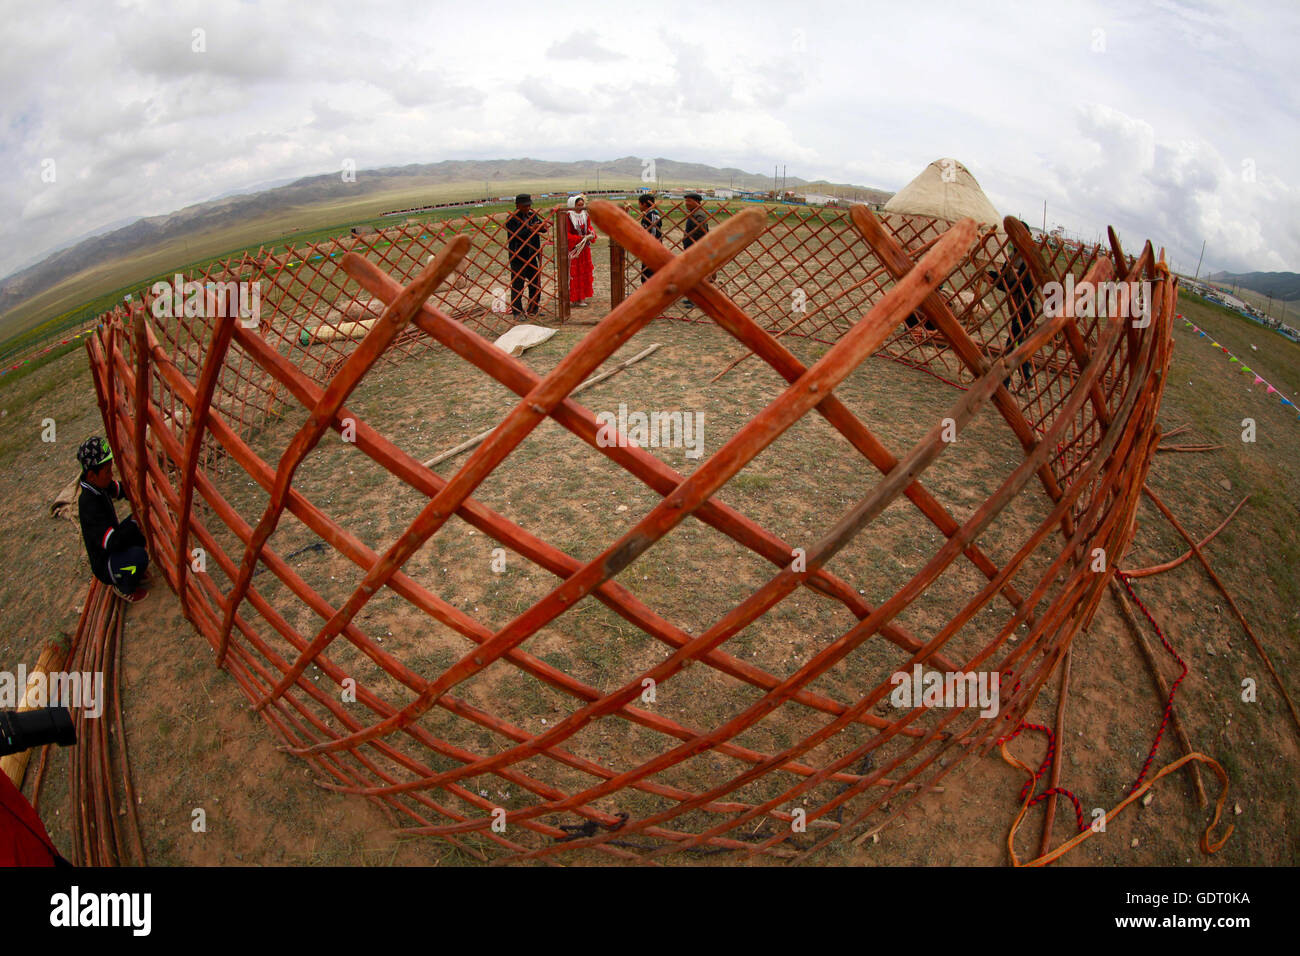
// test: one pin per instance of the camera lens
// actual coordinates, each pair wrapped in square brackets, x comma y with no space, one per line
[35,728]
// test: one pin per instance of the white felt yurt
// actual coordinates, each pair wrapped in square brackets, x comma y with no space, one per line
[946,190]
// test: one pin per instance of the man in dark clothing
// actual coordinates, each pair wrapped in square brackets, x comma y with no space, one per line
[116,550]
[697,221]
[1016,281]
[695,228]
[524,230]
[652,222]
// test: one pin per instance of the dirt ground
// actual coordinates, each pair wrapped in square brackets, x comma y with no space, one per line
[194,743]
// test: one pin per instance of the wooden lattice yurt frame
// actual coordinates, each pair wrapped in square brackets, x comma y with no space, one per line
[185,400]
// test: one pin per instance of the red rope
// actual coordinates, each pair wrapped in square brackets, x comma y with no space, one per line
[1051,737]
[1042,770]
[1169,704]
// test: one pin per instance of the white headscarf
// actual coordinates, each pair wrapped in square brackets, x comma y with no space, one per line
[579,219]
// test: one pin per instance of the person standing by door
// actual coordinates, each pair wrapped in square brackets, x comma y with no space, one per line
[582,236]
[524,230]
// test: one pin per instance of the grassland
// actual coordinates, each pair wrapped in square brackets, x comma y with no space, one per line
[97,288]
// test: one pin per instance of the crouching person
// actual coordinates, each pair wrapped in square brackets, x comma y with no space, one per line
[116,550]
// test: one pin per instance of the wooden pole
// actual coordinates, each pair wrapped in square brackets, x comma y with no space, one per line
[1200,556]
[141,423]
[1170,565]
[1054,779]
[617,281]
[467,445]
[1162,686]
[561,265]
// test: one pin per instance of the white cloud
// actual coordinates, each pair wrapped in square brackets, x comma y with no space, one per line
[582,45]
[552,97]
[1148,134]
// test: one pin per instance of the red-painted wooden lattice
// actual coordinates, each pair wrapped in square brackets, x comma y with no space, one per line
[800,761]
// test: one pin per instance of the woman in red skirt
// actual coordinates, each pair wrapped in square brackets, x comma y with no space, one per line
[582,236]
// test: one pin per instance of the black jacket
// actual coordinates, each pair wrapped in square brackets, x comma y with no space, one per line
[98,523]
[524,238]
[1017,281]
[695,227]
[652,222]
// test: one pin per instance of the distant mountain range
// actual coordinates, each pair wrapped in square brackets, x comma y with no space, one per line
[1284,286]
[228,210]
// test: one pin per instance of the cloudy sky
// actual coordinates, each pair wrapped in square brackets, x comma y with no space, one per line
[1173,120]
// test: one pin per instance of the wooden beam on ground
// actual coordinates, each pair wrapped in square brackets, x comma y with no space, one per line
[1162,686]
[1200,556]
[1054,781]
[1170,565]
[470,443]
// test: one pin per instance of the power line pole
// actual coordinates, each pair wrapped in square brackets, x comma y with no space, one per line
[1198,261]
[1044,215]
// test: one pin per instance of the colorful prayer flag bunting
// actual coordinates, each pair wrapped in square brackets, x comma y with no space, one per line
[1241,366]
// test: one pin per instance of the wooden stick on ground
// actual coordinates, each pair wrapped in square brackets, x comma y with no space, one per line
[1188,447]
[1170,565]
[1163,686]
[1200,556]
[613,370]
[1049,817]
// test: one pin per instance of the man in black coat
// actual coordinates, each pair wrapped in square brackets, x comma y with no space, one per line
[524,230]
[116,549]
[695,228]
[1016,281]
[652,222]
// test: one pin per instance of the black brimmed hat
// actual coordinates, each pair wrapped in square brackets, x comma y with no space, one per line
[696,196]
[523,199]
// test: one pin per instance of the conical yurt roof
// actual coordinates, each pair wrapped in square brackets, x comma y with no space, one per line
[946,190]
